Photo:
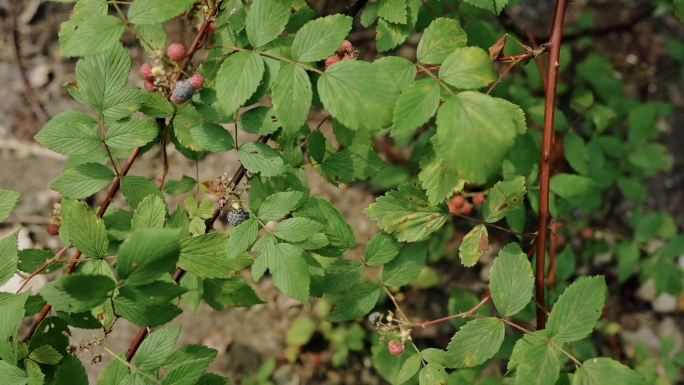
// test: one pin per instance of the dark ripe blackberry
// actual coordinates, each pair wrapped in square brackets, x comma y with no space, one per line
[183,91]
[237,216]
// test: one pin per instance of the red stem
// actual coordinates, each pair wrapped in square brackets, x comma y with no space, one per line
[464,314]
[545,162]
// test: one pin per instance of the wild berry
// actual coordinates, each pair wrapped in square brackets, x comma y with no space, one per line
[149,86]
[345,47]
[237,216]
[182,92]
[146,72]
[396,348]
[332,60]
[456,203]
[587,232]
[53,229]
[197,81]
[467,209]
[478,199]
[175,51]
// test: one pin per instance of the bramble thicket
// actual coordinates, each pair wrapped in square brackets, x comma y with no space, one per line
[488,149]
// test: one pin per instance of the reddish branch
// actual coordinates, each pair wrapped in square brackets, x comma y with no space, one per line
[113,190]
[178,275]
[74,260]
[545,162]
[464,314]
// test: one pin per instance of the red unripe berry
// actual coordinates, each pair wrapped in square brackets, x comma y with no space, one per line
[176,52]
[455,204]
[587,232]
[149,86]
[146,71]
[560,240]
[196,81]
[395,348]
[478,199]
[331,60]
[345,47]
[53,229]
[467,209]
[175,100]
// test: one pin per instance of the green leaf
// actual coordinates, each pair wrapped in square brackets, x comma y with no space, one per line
[186,365]
[78,292]
[242,237]
[627,254]
[576,152]
[83,180]
[382,248]
[207,256]
[229,292]
[571,185]
[297,229]
[356,302]
[181,186]
[260,158]
[95,34]
[400,70]
[11,375]
[599,371]
[535,360]
[45,354]
[147,254]
[505,197]
[101,80]
[290,271]
[156,348]
[131,133]
[407,214]
[136,188]
[320,38]
[336,229]
[70,372]
[11,313]
[34,372]
[579,307]
[475,132]
[300,332]
[115,372]
[442,37]
[212,137]
[8,201]
[154,11]
[150,213]
[467,68]
[132,306]
[278,205]
[394,11]
[266,19]
[259,121]
[70,133]
[358,94]
[152,37]
[414,107]
[474,244]
[511,280]
[406,266]
[238,79]
[476,342]
[409,368]
[292,97]
[86,231]
[341,275]
[495,6]
[438,181]
[8,258]
[432,374]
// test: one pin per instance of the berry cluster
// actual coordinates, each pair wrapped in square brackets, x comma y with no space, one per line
[237,216]
[159,77]
[345,52]
[184,89]
[459,204]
